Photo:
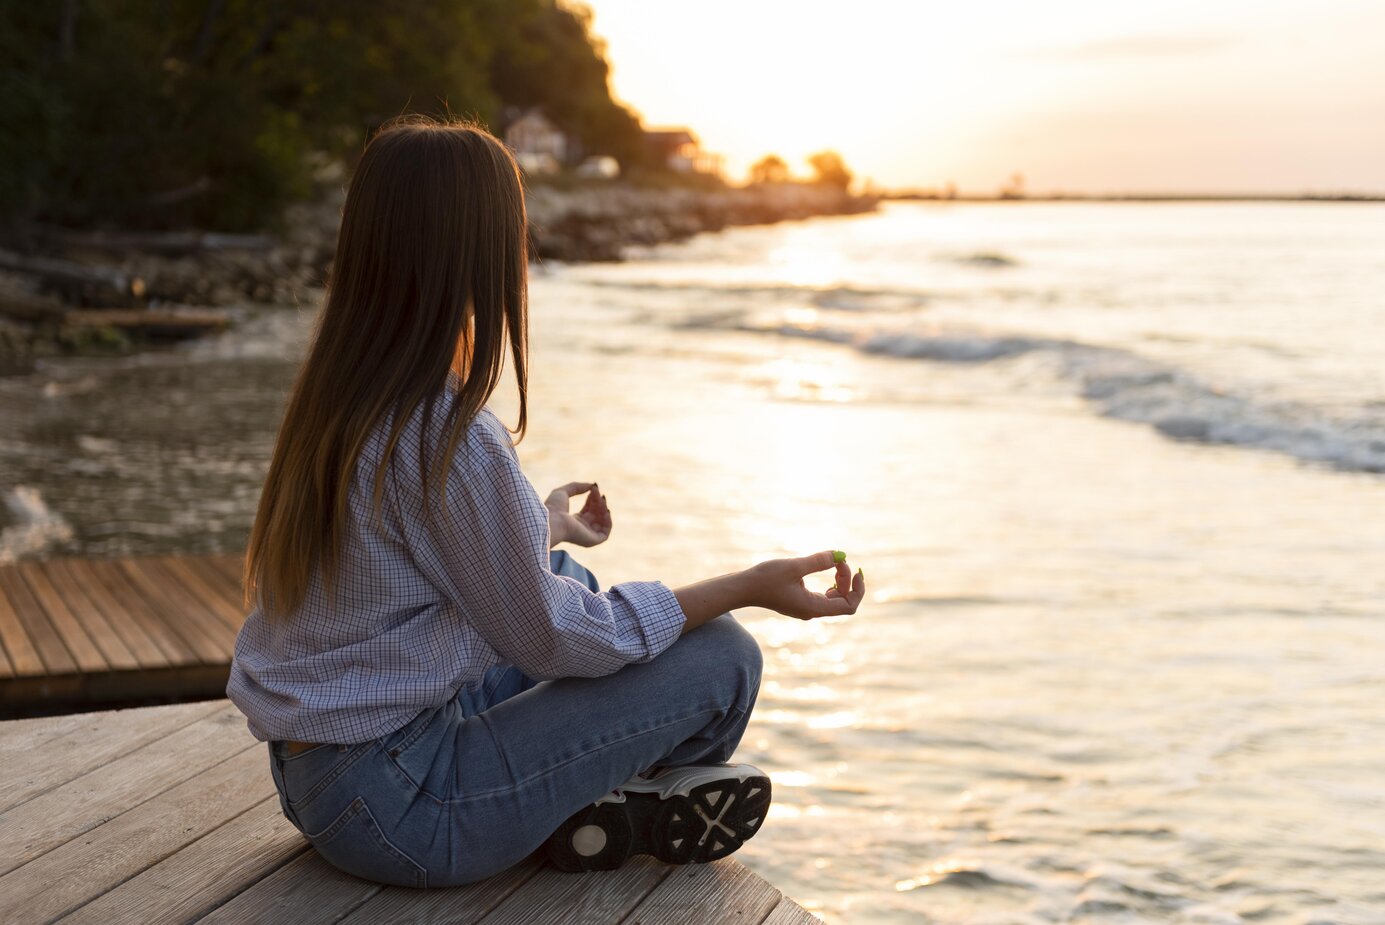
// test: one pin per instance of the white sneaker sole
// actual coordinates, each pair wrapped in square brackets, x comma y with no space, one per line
[683,815]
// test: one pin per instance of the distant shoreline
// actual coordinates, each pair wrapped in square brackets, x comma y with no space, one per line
[1135,197]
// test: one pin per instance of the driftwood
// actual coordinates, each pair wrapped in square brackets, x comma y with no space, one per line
[163,243]
[76,283]
[152,324]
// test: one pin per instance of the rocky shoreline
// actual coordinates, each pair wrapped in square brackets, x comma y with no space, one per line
[65,291]
[597,223]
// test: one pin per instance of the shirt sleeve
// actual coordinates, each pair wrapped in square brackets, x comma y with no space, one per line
[491,535]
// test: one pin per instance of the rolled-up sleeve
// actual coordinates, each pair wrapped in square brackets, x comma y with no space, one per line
[491,536]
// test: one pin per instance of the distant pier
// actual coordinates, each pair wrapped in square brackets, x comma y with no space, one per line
[85,633]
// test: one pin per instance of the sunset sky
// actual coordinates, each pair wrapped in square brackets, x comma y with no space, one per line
[1078,95]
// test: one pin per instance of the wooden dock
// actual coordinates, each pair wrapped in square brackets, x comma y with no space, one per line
[169,814]
[85,633]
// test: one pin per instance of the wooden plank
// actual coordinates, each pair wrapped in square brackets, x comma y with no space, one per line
[78,578]
[6,669]
[558,898]
[114,649]
[217,597]
[64,812]
[304,891]
[56,658]
[93,741]
[18,737]
[23,656]
[462,905]
[74,635]
[81,869]
[789,912]
[196,879]
[219,577]
[133,608]
[178,825]
[230,565]
[204,634]
[722,891]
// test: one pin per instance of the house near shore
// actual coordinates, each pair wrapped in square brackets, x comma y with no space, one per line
[678,150]
[539,146]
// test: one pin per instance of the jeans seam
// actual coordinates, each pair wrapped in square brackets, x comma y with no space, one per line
[413,735]
[562,764]
[334,775]
[355,808]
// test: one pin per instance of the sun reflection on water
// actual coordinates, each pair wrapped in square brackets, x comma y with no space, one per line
[935,872]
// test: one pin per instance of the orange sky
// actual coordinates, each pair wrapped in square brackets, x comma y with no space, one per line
[1078,95]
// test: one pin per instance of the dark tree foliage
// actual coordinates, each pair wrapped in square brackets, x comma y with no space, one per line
[545,55]
[216,113]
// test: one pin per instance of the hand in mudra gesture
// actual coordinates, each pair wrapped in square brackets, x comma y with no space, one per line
[778,584]
[589,526]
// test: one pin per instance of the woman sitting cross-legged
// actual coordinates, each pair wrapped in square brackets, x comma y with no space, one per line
[441,692]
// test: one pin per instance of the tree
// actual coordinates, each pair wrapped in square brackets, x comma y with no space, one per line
[769,169]
[830,170]
[545,55]
[215,113]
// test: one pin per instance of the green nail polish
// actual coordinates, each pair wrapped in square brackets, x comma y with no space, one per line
[862,573]
[838,556]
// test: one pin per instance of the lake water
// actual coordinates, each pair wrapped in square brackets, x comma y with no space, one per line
[1113,471]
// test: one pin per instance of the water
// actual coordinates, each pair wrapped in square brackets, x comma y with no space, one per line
[1113,473]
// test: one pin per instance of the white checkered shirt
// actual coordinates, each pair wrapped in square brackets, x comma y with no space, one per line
[425,604]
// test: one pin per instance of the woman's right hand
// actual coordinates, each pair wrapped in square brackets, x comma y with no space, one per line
[777,584]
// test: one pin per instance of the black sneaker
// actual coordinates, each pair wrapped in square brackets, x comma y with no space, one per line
[680,815]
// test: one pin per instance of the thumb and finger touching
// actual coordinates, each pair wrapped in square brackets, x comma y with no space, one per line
[846,593]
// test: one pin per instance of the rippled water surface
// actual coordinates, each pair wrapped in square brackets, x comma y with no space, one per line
[1113,473]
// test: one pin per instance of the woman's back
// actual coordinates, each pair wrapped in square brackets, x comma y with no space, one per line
[430,596]
[392,641]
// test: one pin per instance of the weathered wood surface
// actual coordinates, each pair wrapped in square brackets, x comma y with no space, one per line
[169,814]
[82,633]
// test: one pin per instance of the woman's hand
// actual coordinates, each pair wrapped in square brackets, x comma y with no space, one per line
[587,527]
[777,584]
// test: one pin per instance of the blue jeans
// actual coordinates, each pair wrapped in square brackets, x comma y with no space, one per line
[471,787]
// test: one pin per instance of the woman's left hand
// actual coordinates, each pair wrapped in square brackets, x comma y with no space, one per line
[587,527]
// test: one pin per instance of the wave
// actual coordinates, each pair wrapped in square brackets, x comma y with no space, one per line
[1128,387]
[34,526]
[984,259]
[832,298]
[951,348]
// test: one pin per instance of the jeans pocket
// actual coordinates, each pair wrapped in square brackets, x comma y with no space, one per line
[356,844]
[307,774]
[411,750]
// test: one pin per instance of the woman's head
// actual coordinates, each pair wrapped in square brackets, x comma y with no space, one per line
[427,292]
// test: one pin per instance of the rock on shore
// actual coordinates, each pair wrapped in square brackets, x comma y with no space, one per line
[596,223]
[161,275]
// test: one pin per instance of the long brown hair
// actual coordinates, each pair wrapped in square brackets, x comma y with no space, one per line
[429,280]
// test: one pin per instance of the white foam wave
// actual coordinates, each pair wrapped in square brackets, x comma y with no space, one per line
[950,348]
[831,298]
[1126,386]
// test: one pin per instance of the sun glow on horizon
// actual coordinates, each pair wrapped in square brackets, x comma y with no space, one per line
[1075,95]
